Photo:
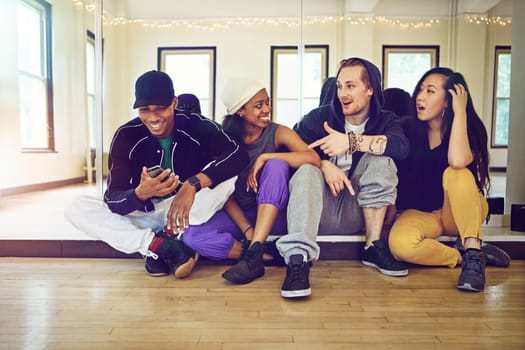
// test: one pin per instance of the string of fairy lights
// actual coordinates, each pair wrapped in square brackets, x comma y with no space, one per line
[226,23]
[213,24]
[478,19]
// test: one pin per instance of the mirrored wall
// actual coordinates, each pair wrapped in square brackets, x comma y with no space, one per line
[96,54]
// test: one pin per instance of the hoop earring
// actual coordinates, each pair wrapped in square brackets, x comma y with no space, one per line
[443,113]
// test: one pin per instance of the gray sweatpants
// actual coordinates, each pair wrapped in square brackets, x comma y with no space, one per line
[314,210]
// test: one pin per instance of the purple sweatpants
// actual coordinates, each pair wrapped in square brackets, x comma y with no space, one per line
[214,239]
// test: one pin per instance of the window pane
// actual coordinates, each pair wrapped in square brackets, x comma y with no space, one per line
[193,72]
[190,73]
[287,110]
[312,75]
[33,116]
[205,106]
[405,69]
[501,97]
[285,88]
[309,104]
[502,122]
[29,39]
[287,78]
[36,123]
[503,75]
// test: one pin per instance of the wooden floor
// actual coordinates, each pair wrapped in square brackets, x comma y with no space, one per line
[113,304]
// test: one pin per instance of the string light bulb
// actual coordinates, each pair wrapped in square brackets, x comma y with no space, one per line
[213,24]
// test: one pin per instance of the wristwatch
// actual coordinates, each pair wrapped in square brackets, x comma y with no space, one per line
[195,182]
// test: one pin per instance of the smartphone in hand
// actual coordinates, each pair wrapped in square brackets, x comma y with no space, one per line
[155,171]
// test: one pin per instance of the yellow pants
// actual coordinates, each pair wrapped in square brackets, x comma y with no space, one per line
[413,235]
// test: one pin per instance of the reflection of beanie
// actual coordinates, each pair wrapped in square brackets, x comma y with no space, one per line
[190,103]
[237,92]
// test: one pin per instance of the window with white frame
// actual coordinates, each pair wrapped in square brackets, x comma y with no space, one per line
[501,97]
[192,70]
[35,75]
[285,93]
[403,66]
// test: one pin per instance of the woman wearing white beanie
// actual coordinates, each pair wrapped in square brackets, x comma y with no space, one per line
[258,206]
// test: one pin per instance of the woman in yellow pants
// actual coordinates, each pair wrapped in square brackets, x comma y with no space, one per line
[443,181]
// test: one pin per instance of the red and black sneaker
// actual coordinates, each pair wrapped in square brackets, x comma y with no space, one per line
[179,257]
[157,267]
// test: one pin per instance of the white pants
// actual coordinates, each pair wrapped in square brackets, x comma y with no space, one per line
[134,232]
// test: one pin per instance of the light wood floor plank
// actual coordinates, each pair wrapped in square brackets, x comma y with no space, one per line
[113,304]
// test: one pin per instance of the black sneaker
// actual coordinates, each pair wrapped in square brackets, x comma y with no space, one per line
[495,256]
[184,264]
[296,283]
[249,267]
[379,256]
[472,277]
[180,258]
[157,268]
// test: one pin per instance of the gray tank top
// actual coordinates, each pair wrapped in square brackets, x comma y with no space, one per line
[265,144]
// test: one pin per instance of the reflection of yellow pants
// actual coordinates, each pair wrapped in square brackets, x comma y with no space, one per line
[413,235]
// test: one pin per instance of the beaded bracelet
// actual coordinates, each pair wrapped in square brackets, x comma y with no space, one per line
[353,144]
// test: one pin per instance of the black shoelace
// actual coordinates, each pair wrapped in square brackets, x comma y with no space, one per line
[298,272]
[473,263]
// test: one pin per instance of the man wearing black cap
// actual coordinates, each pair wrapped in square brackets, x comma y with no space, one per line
[158,162]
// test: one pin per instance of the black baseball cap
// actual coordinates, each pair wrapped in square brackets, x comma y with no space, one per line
[153,88]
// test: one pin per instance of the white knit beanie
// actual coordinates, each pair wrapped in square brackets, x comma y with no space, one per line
[238,91]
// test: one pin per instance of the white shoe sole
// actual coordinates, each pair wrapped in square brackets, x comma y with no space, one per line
[468,287]
[296,293]
[399,273]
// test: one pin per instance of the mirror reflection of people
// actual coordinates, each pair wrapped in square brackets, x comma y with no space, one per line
[443,181]
[398,101]
[328,91]
[257,208]
[141,212]
[189,103]
[357,141]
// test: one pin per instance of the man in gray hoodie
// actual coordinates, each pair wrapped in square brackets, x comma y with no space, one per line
[358,142]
